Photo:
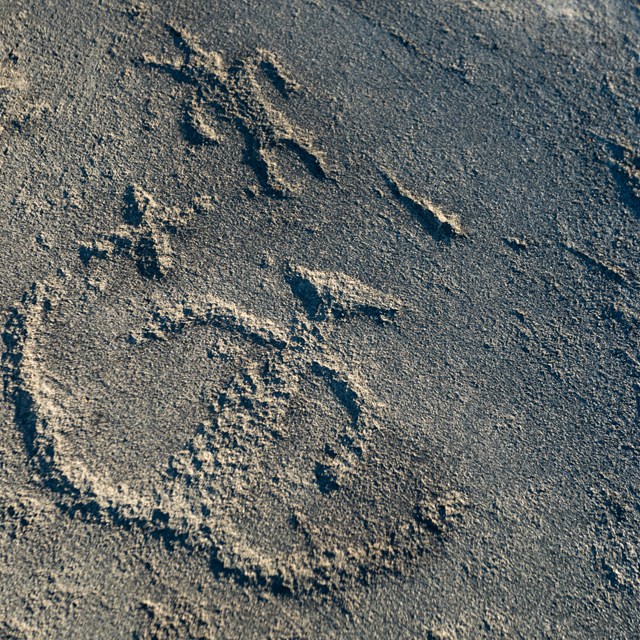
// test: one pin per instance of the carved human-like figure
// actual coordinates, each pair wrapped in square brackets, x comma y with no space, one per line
[234,94]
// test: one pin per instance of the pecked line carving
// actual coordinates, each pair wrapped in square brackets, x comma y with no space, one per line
[232,92]
[266,487]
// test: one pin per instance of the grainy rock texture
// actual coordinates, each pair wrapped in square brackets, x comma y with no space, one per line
[320,319]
